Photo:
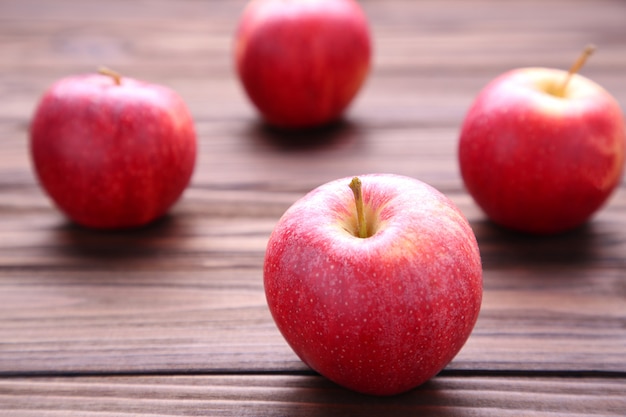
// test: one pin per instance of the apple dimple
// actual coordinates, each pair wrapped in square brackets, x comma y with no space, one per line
[549,81]
[363,222]
[349,223]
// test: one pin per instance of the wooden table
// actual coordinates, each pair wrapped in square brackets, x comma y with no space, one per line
[172,320]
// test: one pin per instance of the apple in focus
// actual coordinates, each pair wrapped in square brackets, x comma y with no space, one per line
[301,63]
[112,152]
[378,299]
[537,157]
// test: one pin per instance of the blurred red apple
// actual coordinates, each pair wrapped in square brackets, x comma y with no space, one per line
[541,150]
[301,62]
[377,288]
[112,152]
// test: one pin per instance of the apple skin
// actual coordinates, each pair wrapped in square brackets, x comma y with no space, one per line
[383,314]
[112,156]
[539,163]
[302,62]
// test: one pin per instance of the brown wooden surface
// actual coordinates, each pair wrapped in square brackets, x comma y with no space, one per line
[172,320]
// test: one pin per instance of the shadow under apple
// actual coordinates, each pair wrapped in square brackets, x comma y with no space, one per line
[501,246]
[315,396]
[335,134]
[115,246]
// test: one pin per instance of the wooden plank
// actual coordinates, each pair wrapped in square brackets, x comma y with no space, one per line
[187,294]
[112,324]
[277,395]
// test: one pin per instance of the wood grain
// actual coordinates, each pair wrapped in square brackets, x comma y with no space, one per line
[303,395]
[98,302]
[171,319]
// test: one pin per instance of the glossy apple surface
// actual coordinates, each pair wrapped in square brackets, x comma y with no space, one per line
[112,156]
[380,314]
[541,161]
[302,62]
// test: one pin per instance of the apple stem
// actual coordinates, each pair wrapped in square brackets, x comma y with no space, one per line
[117,78]
[361,225]
[589,49]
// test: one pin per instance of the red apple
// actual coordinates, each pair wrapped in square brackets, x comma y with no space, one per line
[301,62]
[541,150]
[112,152]
[379,290]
